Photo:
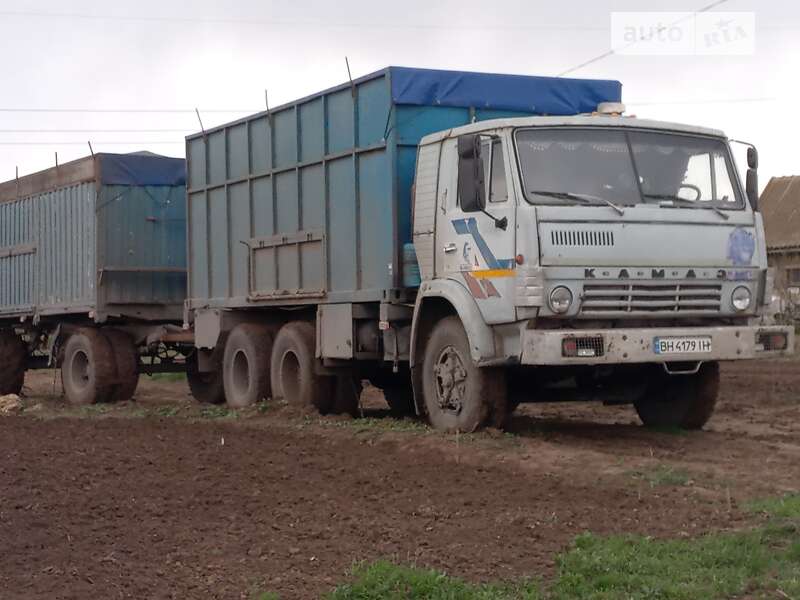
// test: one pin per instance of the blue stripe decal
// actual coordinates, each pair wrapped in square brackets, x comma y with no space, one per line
[470,227]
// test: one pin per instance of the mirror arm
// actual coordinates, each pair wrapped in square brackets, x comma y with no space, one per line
[501,223]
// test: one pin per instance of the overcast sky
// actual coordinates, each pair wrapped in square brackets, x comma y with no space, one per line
[148,55]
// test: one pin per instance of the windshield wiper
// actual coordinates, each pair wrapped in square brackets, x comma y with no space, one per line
[585,198]
[688,203]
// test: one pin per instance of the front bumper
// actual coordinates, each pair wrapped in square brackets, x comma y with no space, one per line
[617,346]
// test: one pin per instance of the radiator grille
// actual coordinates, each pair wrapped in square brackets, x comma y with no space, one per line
[571,237]
[646,297]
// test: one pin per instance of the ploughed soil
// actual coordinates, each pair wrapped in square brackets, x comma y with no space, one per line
[161,498]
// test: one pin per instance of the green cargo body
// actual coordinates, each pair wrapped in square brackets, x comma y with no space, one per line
[103,237]
[311,201]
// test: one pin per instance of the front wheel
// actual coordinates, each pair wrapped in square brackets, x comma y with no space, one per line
[685,401]
[459,395]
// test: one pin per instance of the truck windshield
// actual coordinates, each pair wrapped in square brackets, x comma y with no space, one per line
[602,166]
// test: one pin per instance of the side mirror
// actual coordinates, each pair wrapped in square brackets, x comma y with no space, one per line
[471,184]
[751,186]
[752,157]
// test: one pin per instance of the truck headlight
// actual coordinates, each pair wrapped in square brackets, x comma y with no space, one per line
[560,299]
[741,298]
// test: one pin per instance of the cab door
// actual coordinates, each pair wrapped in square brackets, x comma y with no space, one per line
[476,248]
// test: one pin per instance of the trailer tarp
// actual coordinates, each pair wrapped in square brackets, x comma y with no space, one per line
[524,93]
[141,169]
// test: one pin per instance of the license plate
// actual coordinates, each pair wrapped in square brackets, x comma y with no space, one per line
[682,345]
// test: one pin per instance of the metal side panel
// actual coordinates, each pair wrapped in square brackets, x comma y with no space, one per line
[275,273]
[47,252]
[335,331]
[425,207]
[296,203]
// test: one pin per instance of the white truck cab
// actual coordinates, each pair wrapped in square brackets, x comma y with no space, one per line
[624,253]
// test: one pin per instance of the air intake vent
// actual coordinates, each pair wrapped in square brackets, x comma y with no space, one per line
[651,297]
[572,237]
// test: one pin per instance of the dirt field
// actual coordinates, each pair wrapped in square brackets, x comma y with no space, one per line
[161,498]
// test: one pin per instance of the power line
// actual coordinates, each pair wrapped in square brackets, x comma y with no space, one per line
[608,53]
[188,129]
[83,143]
[296,22]
[129,110]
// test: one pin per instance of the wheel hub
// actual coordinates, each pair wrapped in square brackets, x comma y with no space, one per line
[80,369]
[451,380]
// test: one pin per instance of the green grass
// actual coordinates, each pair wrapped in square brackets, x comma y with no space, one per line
[166,411]
[783,507]
[383,580]
[167,377]
[217,412]
[760,563]
[763,562]
[662,475]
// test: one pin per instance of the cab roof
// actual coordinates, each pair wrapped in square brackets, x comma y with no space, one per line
[572,121]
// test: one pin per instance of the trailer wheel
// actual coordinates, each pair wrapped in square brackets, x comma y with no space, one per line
[207,387]
[126,357]
[245,365]
[459,395]
[400,399]
[13,356]
[88,372]
[685,401]
[292,372]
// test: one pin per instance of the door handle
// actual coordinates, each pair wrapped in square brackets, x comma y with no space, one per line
[450,248]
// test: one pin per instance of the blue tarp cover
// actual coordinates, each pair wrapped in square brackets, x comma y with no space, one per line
[141,169]
[539,95]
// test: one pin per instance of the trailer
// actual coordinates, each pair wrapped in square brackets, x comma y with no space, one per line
[466,241]
[93,273]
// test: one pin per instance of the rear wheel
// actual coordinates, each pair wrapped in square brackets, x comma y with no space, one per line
[13,356]
[245,365]
[205,386]
[460,396]
[685,401]
[126,357]
[88,372]
[292,372]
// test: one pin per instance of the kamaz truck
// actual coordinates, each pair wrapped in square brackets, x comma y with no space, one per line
[469,241]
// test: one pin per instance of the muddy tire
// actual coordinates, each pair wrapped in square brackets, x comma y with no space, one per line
[89,373]
[126,358]
[205,387]
[13,358]
[459,396]
[400,400]
[685,401]
[292,373]
[246,365]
